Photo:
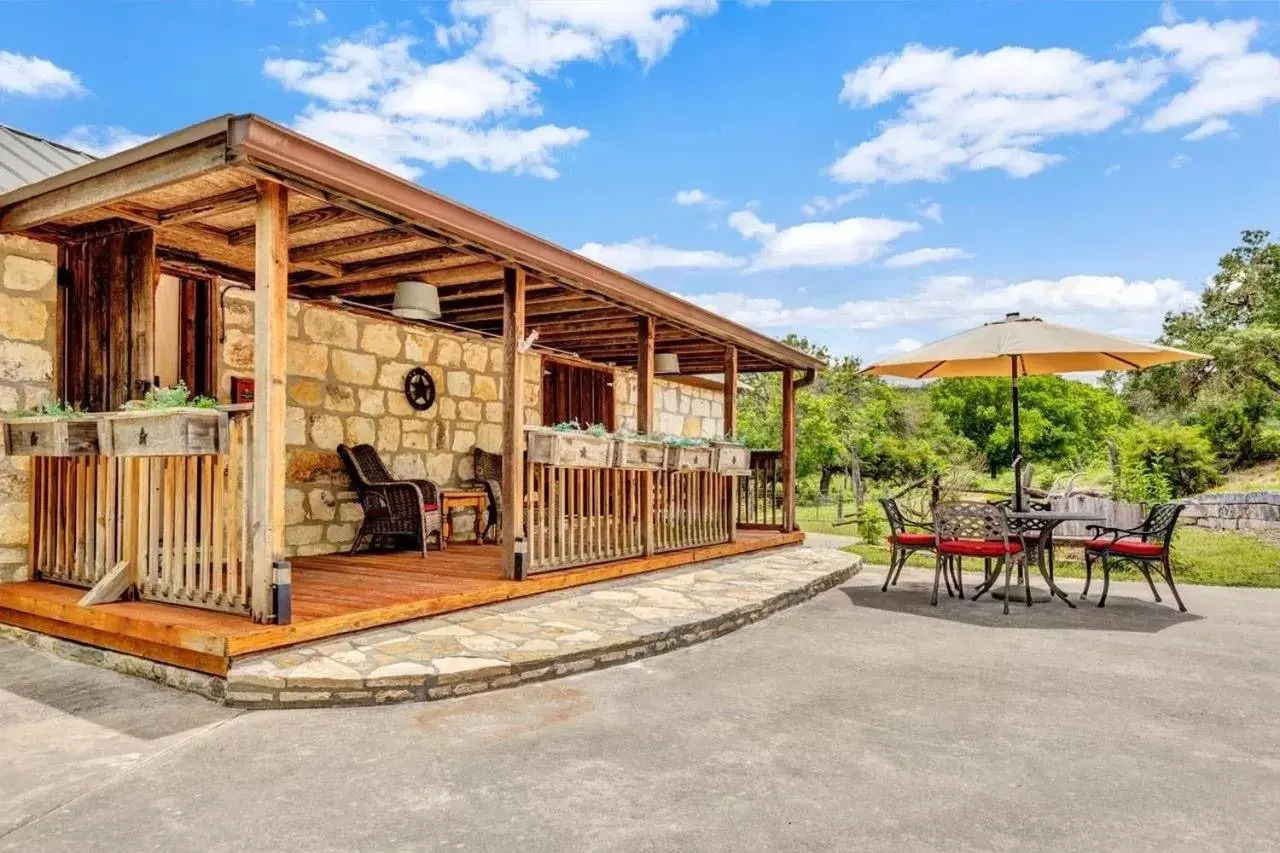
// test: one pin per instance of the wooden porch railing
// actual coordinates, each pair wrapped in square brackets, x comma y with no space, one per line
[181,523]
[760,493]
[579,516]
[689,509]
[576,516]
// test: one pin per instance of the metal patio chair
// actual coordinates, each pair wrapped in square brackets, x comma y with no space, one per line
[391,507]
[975,529]
[1145,547]
[902,541]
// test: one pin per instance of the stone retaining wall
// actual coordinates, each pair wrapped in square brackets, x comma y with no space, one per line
[28,341]
[1249,511]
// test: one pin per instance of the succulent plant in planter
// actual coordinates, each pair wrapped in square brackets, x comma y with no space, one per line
[686,453]
[50,429]
[166,422]
[568,445]
[632,450]
[730,456]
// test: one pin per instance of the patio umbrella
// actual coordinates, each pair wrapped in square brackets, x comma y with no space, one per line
[1025,346]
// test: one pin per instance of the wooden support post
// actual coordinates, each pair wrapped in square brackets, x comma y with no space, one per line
[271,284]
[513,290]
[789,450]
[731,430]
[644,425]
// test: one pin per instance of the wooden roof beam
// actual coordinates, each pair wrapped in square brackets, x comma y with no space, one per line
[411,263]
[195,151]
[217,205]
[354,243]
[307,220]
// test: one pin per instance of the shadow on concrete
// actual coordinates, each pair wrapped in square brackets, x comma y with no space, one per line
[102,697]
[1122,613]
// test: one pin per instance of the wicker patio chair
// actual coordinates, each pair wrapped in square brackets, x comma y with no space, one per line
[391,507]
[1145,547]
[975,529]
[903,541]
[488,475]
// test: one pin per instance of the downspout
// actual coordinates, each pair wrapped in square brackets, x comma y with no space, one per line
[806,380]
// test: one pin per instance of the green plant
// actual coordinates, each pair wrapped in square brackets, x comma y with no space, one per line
[173,397]
[52,409]
[567,426]
[869,523]
[598,430]
[1160,463]
[682,441]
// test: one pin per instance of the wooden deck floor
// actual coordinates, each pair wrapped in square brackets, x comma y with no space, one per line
[331,595]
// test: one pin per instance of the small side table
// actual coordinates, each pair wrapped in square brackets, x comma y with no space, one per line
[474,499]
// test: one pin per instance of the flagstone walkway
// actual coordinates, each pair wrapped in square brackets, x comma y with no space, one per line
[555,635]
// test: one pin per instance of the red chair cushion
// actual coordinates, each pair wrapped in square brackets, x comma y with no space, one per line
[911,540]
[1130,547]
[429,507]
[978,547]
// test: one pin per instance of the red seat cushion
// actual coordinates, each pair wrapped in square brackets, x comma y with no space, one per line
[911,540]
[1130,547]
[978,547]
[429,507]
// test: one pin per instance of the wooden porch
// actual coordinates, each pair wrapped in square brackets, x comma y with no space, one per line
[332,595]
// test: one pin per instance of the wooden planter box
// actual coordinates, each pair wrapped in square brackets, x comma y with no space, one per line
[730,458]
[688,458]
[645,454]
[49,436]
[164,432]
[567,449]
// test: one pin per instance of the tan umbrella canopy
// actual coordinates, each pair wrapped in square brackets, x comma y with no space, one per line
[1025,346]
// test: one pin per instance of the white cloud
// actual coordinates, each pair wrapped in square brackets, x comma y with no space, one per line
[36,77]
[374,96]
[1212,127]
[1111,170]
[927,256]
[984,110]
[950,303]
[541,35]
[1168,14]
[640,254]
[846,242]
[308,17]
[687,198]
[905,345]
[102,140]
[929,210]
[1003,108]
[826,204]
[1178,161]
[1226,77]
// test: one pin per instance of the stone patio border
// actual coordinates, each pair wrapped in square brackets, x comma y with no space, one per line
[248,687]
[249,684]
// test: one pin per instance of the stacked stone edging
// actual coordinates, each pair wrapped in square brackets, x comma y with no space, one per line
[1256,511]
[253,692]
[208,686]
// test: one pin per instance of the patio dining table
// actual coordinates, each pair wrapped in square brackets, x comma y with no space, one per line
[1034,528]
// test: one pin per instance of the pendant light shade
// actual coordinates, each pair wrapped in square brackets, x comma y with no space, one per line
[416,300]
[666,362]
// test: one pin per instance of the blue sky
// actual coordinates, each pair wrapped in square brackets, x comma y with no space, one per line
[866,174]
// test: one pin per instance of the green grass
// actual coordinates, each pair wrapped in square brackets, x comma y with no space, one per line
[813,519]
[1214,558]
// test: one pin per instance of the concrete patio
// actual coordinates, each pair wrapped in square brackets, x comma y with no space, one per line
[856,721]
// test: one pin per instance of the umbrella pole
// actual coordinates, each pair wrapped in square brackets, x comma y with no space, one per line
[1017,440]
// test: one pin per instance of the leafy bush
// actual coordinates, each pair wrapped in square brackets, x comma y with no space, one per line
[869,522]
[1160,463]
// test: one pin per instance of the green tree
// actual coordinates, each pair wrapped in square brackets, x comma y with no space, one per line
[1063,422]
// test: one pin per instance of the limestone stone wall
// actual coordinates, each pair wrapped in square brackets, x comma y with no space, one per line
[28,341]
[1257,512]
[679,409]
[345,384]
